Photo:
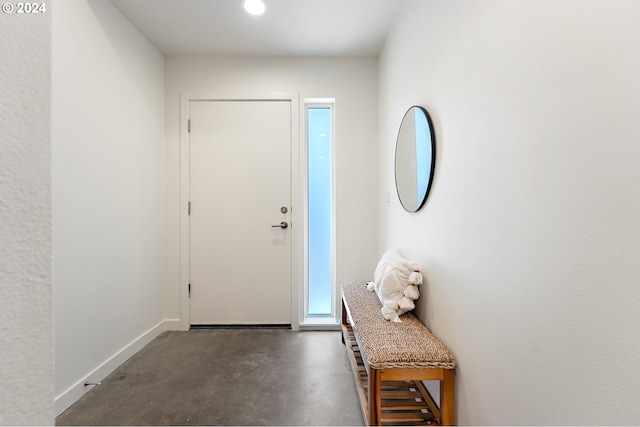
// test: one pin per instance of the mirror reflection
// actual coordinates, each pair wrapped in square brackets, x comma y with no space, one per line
[415,158]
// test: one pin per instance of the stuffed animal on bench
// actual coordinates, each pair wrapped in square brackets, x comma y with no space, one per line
[396,281]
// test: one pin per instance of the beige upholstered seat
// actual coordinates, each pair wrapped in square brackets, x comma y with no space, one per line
[386,344]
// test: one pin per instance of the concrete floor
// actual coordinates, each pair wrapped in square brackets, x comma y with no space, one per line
[227,377]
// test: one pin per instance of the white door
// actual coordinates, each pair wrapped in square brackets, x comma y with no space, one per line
[240,179]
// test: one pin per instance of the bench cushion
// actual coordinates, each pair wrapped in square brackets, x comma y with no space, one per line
[385,344]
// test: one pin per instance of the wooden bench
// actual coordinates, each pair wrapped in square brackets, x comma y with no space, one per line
[389,361]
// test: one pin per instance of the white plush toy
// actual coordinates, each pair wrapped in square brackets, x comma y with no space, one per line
[396,281]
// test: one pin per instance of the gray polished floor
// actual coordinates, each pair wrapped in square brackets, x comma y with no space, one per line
[227,377]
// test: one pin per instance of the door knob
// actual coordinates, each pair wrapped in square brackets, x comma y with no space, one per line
[283,225]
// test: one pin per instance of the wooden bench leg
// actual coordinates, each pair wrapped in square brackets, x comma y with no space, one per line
[374,397]
[447,398]
[344,313]
[344,321]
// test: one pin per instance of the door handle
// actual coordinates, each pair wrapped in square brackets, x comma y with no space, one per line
[282,225]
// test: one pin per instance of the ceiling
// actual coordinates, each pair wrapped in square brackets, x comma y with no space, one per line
[287,28]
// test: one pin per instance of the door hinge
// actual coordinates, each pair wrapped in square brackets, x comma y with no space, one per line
[189,208]
[189,288]
[189,125]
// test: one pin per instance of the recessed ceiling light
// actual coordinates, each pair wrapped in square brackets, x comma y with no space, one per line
[254,7]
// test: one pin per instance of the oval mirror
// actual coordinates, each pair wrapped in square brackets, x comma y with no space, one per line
[415,158]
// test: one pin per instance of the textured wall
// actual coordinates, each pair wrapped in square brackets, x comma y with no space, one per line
[530,239]
[26,356]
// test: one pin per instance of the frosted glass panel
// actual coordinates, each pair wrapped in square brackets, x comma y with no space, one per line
[423,154]
[319,220]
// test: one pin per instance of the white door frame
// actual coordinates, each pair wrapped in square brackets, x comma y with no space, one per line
[297,220]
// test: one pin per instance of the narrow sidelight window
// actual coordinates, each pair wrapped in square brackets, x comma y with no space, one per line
[319,292]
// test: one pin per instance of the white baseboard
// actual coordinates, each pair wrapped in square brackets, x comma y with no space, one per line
[172,324]
[320,324]
[433,387]
[76,391]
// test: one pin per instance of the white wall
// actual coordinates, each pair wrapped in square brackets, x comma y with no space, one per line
[26,356]
[107,150]
[530,239]
[352,82]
